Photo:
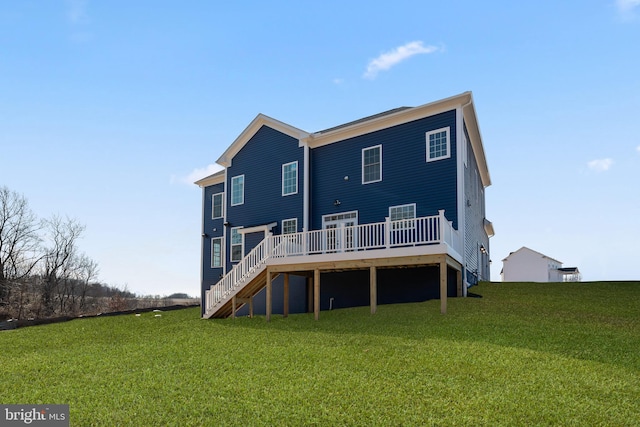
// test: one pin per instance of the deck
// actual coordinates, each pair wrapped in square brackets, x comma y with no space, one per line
[390,244]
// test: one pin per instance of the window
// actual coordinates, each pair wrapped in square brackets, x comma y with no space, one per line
[400,213]
[237,244]
[289,178]
[290,226]
[216,252]
[237,190]
[438,146]
[372,164]
[216,205]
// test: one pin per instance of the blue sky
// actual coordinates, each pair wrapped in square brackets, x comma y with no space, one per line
[110,109]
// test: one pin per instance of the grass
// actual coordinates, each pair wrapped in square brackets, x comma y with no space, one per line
[524,354]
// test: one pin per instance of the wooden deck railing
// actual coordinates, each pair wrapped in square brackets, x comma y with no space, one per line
[364,237]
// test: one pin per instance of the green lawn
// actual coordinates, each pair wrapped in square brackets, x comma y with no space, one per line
[524,354]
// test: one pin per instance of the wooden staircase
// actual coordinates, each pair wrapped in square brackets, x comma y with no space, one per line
[251,289]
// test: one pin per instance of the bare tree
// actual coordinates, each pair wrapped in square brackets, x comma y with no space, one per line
[19,241]
[60,254]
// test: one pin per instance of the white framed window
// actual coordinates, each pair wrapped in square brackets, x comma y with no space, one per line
[237,190]
[290,226]
[402,216]
[372,164]
[216,252]
[438,144]
[216,205]
[290,178]
[237,244]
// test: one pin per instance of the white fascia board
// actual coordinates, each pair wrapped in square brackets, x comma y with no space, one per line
[320,139]
[471,120]
[255,125]
[216,178]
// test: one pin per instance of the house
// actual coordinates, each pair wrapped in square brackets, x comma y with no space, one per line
[386,209]
[527,265]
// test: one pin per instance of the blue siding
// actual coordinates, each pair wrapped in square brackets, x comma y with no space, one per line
[476,264]
[212,228]
[260,161]
[406,175]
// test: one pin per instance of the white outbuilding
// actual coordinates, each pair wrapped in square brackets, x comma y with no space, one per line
[527,265]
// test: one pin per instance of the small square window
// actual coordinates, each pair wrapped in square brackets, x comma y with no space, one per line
[438,145]
[402,216]
[290,226]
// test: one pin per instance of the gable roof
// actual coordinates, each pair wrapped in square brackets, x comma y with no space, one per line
[531,250]
[255,125]
[370,124]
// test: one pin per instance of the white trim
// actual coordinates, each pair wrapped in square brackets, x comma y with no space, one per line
[342,216]
[402,206]
[265,228]
[221,251]
[386,121]
[248,133]
[283,183]
[231,244]
[407,224]
[288,219]
[447,131]
[379,166]
[305,196]
[221,194]
[231,190]
[216,178]
[460,188]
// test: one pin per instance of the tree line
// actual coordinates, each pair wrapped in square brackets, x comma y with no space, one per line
[42,271]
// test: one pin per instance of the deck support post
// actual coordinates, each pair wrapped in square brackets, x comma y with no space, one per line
[234,306]
[251,307]
[309,294]
[269,296]
[316,294]
[461,292]
[443,286]
[285,309]
[373,289]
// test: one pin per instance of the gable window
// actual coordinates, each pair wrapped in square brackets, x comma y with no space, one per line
[237,244]
[372,164]
[290,178]
[237,190]
[438,145]
[216,252]
[402,216]
[216,205]
[290,226]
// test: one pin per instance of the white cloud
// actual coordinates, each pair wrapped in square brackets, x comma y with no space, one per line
[600,165]
[638,148]
[338,81]
[196,174]
[77,11]
[627,8]
[395,56]
[627,5]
